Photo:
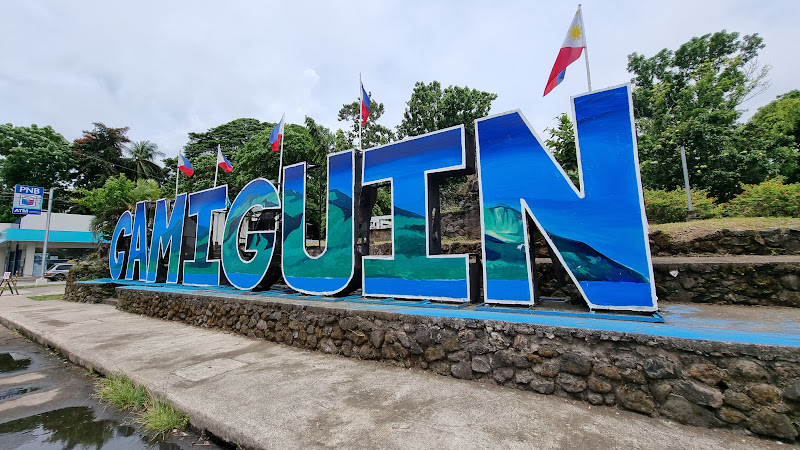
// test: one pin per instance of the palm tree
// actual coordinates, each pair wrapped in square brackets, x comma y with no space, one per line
[141,155]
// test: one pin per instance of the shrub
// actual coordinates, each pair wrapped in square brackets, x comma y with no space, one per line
[771,198]
[670,206]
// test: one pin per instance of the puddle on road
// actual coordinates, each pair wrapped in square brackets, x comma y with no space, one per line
[12,362]
[74,428]
[14,392]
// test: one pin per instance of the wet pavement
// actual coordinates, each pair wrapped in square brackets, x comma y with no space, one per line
[48,403]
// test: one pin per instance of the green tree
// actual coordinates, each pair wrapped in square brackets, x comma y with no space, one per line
[117,195]
[431,108]
[202,152]
[775,130]
[689,97]
[562,144]
[373,133]
[142,155]
[33,156]
[98,155]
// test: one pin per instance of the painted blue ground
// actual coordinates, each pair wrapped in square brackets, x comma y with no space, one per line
[681,321]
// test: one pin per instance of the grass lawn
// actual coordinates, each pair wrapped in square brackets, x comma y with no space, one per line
[46,297]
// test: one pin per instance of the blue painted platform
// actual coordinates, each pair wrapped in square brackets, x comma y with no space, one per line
[720,323]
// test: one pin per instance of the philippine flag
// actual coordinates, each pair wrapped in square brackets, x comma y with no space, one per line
[185,166]
[571,50]
[222,161]
[277,135]
[364,105]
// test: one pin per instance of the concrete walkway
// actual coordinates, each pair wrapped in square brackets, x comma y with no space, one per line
[265,395]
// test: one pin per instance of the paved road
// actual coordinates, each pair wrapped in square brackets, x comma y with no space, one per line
[267,395]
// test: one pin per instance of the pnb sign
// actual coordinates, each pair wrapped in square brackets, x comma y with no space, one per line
[597,229]
[27,200]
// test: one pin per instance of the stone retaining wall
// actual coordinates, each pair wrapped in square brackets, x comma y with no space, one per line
[701,383]
[777,241]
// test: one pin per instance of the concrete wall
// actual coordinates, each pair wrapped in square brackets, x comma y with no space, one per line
[701,383]
[58,221]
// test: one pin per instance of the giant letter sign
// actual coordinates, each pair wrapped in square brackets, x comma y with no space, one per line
[138,250]
[411,271]
[201,271]
[598,232]
[258,194]
[332,271]
[116,258]
[167,233]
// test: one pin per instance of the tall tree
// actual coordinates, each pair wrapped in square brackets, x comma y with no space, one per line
[33,156]
[689,97]
[775,130]
[431,108]
[117,195]
[373,133]
[202,152]
[562,144]
[98,155]
[142,155]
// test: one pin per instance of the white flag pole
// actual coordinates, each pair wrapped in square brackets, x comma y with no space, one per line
[216,169]
[177,174]
[280,164]
[585,50]
[360,109]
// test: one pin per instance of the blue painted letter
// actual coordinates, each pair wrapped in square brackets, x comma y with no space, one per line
[598,232]
[201,271]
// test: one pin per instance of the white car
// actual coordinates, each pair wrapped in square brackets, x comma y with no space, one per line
[58,272]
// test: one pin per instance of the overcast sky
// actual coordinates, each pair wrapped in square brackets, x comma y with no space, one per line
[165,68]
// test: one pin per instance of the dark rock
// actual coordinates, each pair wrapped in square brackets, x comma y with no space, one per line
[657,368]
[700,394]
[571,383]
[481,364]
[738,400]
[770,423]
[543,385]
[595,398]
[434,353]
[707,373]
[376,337]
[549,368]
[576,364]
[684,411]
[634,376]
[598,384]
[547,352]
[764,394]
[661,390]
[462,370]
[503,374]
[635,399]
[327,346]
[744,370]
[524,376]
[607,371]
[441,367]
[731,415]
[792,392]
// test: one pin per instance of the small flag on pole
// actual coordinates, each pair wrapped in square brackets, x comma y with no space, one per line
[277,135]
[185,166]
[222,161]
[571,49]
[364,105]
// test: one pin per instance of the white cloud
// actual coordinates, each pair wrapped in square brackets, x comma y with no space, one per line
[167,68]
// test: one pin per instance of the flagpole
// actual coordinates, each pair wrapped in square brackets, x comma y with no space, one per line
[360,113]
[177,174]
[585,50]
[216,170]
[280,163]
